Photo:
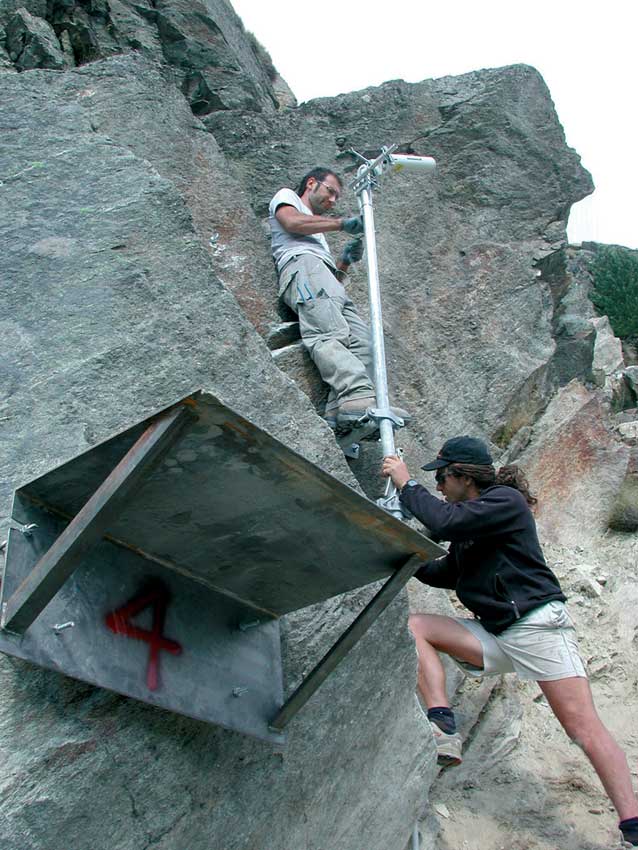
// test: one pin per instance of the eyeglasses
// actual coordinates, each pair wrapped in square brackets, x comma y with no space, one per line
[332,192]
[440,477]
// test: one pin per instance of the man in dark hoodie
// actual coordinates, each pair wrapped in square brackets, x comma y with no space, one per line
[521,625]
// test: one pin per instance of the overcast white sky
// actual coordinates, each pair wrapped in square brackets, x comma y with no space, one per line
[586,51]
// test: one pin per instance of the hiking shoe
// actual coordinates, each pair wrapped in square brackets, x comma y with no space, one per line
[448,747]
[354,408]
[351,410]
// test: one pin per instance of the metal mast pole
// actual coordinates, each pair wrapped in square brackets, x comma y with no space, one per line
[363,184]
[386,429]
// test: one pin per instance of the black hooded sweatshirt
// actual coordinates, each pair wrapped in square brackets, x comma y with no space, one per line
[495,563]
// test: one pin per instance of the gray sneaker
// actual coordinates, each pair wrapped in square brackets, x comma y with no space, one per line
[448,747]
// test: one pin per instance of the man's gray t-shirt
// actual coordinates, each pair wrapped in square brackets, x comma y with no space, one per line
[287,245]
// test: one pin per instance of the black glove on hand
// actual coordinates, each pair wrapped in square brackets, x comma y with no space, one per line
[353,252]
[353,226]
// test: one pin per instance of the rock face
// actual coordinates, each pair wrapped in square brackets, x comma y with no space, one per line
[32,43]
[459,253]
[216,63]
[141,143]
[577,463]
[111,309]
[608,356]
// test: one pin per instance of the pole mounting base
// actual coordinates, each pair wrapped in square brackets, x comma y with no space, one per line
[377,414]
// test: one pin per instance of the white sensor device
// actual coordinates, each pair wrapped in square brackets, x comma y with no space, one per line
[410,162]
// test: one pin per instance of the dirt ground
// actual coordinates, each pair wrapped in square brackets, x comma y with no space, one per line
[522,783]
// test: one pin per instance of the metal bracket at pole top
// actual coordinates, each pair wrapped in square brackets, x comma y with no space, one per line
[370,169]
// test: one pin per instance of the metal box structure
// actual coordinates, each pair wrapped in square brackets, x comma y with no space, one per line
[158,563]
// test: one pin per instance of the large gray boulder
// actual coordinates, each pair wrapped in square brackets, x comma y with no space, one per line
[217,64]
[631,378]
[112,309]
[608,356]
[468,313]
[137,264]
[32,43]
[624,512]
[576,465]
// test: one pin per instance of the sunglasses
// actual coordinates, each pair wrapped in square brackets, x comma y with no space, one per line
[440,477]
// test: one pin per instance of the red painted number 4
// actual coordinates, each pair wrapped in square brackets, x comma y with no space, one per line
[119,622]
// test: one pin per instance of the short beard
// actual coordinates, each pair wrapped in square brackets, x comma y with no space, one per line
[317,210]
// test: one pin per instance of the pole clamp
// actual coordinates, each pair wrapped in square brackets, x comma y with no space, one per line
[378,414]
[392,504]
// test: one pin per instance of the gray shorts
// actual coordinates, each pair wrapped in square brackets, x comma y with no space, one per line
[541,646]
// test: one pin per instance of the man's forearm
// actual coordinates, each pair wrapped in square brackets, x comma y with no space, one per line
[307,225]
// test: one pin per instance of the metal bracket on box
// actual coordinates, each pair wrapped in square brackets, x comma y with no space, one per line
[87,527]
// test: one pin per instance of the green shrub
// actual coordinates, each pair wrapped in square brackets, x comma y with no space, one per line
[615,290]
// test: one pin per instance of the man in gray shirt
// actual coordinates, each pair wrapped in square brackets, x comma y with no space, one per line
[336,337]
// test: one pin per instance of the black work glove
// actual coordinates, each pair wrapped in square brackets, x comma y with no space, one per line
[353,252]
[353,226]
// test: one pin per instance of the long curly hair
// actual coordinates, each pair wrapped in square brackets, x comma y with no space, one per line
[486,475]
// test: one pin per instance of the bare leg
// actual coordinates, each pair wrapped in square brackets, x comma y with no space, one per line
[571,701]
[434,633]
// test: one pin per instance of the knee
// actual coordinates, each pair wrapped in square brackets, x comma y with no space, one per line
[577,737]
[580,732]
[325,349]
[412,623]
[418,625]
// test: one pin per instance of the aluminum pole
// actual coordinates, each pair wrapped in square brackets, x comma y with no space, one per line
[363,185]
[386,430]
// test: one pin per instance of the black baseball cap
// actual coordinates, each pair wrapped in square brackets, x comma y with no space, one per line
[461,450]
